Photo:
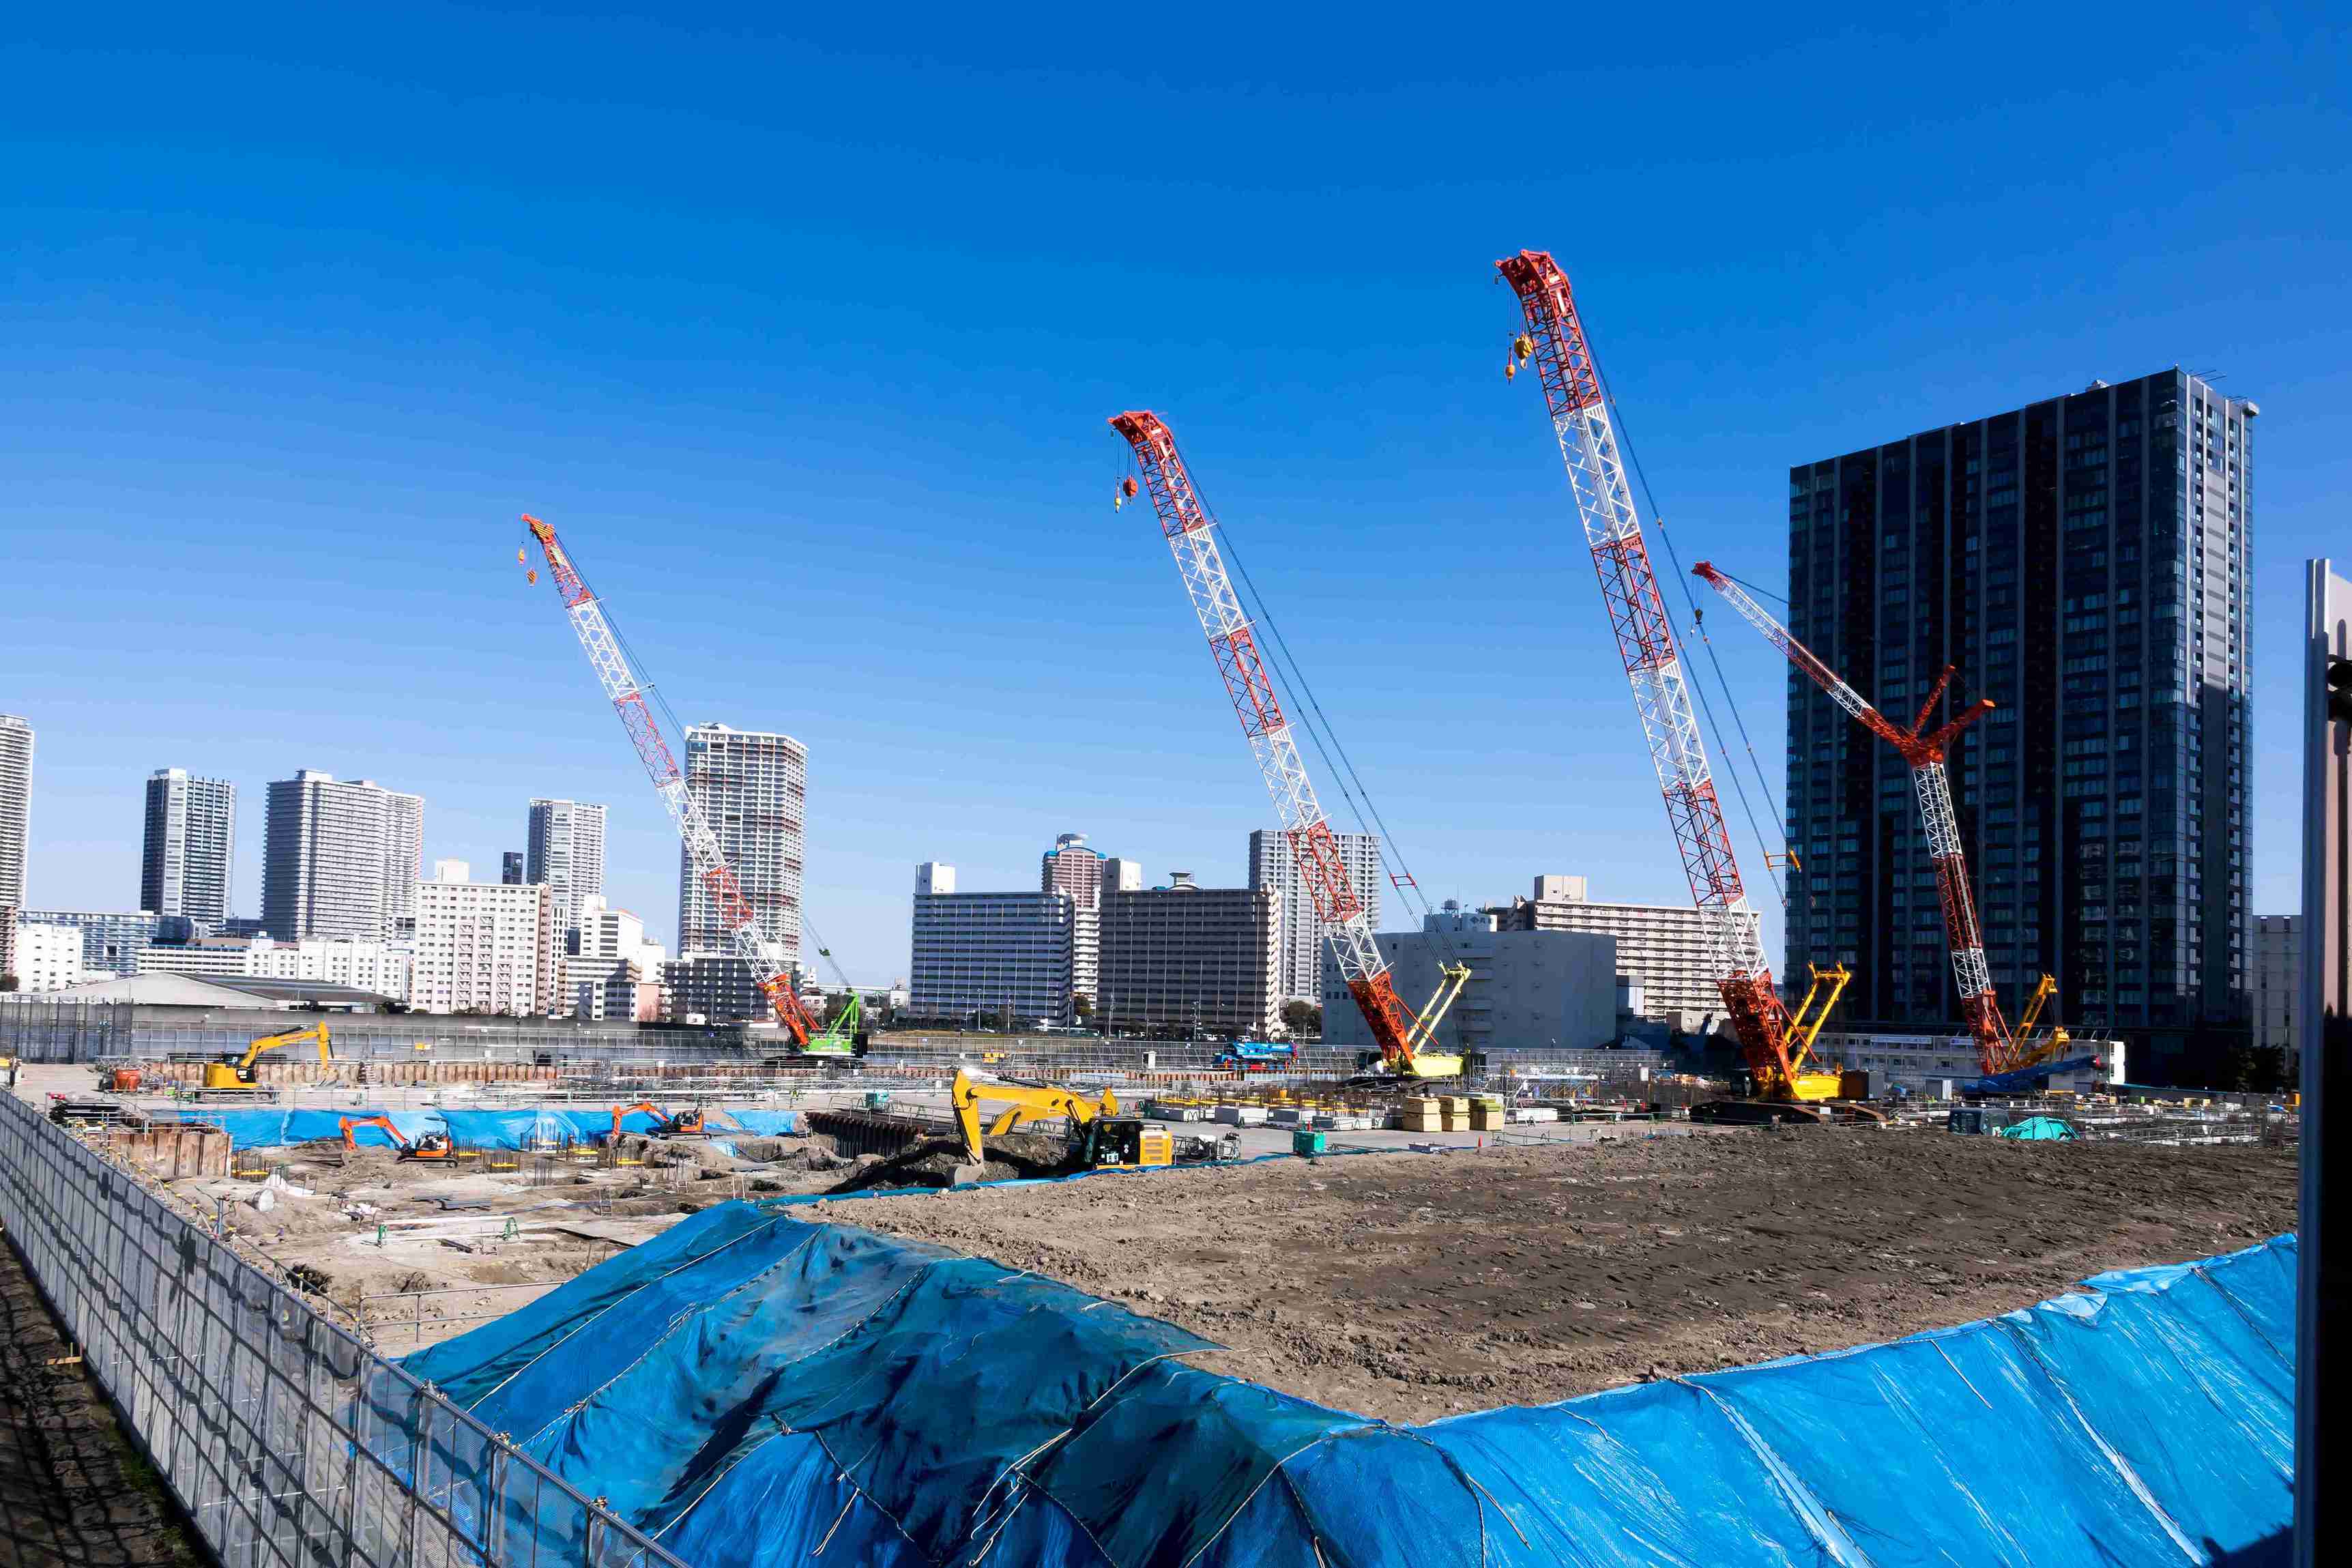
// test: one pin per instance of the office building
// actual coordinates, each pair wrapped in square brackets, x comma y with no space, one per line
[111,940]
[484,947]
[1528,990]
[2083,561]
[617,973]
[753,789]
[1663,950]
[190,846]
[43,957]
[714,988]
[1007,956]
[15,806]
[2277,980]
[1272,865]
[511,868]
[565,849]
[1186,961]
[331,851]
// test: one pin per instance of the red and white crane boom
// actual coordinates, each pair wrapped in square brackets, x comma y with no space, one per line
[1996,1050]
[627,694]
[1586,427]
[1191,539]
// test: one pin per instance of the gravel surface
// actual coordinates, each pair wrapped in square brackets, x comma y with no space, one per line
[1410,1286]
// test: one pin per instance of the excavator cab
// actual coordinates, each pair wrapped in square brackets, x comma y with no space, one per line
[1127,1142]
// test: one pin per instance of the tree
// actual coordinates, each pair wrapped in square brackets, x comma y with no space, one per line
[1301,1017]
[7,982]
[1082,1004]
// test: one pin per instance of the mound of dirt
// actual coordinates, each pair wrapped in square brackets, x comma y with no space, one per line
[934,1162]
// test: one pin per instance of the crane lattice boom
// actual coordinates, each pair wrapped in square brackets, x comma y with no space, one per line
[1586,428]
[627,694]
[1191,539]
[1996,1050]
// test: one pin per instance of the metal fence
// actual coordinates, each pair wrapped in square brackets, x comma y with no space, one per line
[288,1443]
[38,1029]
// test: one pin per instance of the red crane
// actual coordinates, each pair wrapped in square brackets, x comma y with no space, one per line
[1191,534]
[1585,425]
[1923,749]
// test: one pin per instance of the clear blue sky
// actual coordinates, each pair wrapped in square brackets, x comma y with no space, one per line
[804,329]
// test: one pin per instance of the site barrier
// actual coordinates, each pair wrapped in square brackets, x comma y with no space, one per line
[288,1443]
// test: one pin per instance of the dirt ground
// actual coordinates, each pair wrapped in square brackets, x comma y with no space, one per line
[74,1493]
[1410,1287]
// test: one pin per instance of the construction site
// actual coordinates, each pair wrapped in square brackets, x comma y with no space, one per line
[962,1304]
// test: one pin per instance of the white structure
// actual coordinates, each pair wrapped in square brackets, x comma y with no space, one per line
[1928,1064]
[339,858]
[1527,990]
[1121,874]
[189,848]
[15,806]
[617,973]
[1272,865]
[384,968]
[1009,953]
[1666,950]
[753,790]
[485,947]
[111,940]
[2278,985]
[48,957]
[565,849]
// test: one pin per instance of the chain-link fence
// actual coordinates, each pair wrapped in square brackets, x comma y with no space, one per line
[290,1444]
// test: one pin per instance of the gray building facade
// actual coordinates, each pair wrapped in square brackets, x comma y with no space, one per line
[1527,990]
[190,846]
[752,788]
[1185,961]
[565,848]
[2084,561]
[340,858]
[1272,865]
[1013,954]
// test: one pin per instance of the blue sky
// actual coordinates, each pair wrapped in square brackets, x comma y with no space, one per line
[803,332]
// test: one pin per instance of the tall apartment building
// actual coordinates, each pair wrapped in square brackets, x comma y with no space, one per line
[1662,949]
[484,947]
[1009,953]
[753,789]
[2278,985]
[339,858]
[111,940]
[1527,990]
[1272,866]
[2083,561]
[1069,867]
[1188,959]
[565,849]
[190,846]
[15,806]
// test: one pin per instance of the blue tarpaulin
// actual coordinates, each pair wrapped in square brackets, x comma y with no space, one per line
[751,1388]
[262,1127]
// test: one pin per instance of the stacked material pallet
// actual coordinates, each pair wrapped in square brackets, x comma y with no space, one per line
[1163,1110]
[1487,1115]
[1422,1113]
[1241,1115]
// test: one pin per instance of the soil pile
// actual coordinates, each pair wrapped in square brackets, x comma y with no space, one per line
[934,1162]
[1411,1287]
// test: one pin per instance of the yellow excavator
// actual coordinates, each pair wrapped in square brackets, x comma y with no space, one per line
[1100,1137]
[235,1075]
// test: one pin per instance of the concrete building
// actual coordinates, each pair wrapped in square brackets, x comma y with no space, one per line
[1662,949]
[1185,960]
[565,849]
[511,868]
[111,940]
[1121,874]
[45,957]
[189,849]
[1272,866]
[616,974]
[484,947]
[1527,990]
[2084,561]
[1069,867]
[753,789]
[2278,985]
[384,969]
[713,988]
[1010,954]
[15,806]
[331,851]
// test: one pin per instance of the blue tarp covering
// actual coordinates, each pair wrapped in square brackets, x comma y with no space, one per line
[751,1388]
[267,1127]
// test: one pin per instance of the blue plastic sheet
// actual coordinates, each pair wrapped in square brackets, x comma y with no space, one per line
[264,1127]
[753,1388]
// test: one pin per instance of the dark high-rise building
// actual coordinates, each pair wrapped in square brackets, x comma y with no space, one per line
[2083,561]
[510,869]
[190,846]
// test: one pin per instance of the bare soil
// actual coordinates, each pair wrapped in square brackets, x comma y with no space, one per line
[1410,1287]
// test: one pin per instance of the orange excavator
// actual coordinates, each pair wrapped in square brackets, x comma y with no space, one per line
[429,1146]
[667,1124]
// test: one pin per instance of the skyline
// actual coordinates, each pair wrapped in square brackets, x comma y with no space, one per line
[276,409]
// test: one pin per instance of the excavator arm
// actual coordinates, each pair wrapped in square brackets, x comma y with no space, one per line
[1022,1102]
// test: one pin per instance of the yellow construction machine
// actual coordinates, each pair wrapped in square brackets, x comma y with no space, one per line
[235,1075]
[1100,1138]
[1824,1081]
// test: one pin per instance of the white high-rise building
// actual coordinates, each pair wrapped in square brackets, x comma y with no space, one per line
[190,845]
[617,973]
[752,788]
[1272,865]
[15,806]
[330,852]
[47,957]
[484,947]
[565,849]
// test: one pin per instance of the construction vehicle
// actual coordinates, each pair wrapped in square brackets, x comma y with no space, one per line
[1100,1138]
[235,1075]
[1404,1037]
[688,1123]
[842,1036]
[1257,1055]
[1584,422]
[627,692]
[433,1146]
